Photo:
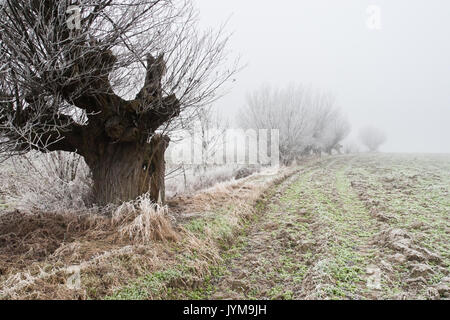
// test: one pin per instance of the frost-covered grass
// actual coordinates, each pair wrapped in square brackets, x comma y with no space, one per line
[60,182]
[371,226]
[194,178]
[55,182]
[204,239]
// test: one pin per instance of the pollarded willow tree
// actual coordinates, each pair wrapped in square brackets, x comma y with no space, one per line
[308,120]
[106,79]
[372,138]
[338,129]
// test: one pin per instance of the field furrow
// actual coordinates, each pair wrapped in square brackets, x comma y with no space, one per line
[345,228]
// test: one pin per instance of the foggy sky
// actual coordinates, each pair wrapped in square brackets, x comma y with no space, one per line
[396,78]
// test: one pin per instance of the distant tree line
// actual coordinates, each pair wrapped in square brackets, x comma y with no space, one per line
[309,120]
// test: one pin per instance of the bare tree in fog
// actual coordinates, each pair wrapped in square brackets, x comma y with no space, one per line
[308,120]
[338,129]
[209,129]
[372,138]
[286,110]
[322,114]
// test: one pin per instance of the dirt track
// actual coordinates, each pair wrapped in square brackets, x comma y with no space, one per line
[346,228]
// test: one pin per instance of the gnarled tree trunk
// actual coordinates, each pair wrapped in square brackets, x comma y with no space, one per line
[124,171]
[119,141]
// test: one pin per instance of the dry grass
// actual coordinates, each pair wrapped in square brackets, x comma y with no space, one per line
[190,179]
[142,221]
[208,223]
[40,251]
